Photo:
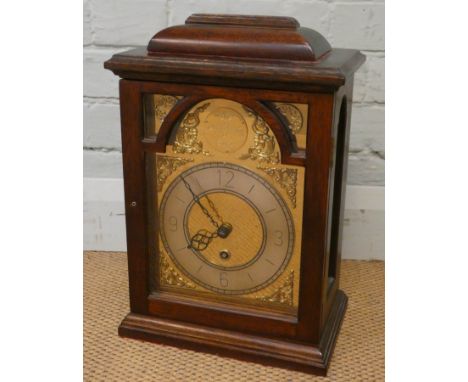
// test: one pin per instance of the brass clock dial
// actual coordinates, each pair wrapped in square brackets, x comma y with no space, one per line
[226,228]
[226,214]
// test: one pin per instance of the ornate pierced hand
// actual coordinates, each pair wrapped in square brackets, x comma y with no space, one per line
[203,237]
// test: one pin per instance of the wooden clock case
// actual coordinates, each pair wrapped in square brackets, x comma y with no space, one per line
[253,60]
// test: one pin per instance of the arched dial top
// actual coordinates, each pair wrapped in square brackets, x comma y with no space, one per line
[244,226]
[268,112]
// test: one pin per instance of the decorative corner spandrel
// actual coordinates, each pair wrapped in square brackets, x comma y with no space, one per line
[186,141]
[163,104]
[286,178]
[284,293]
[165,166]
[169,276]
[293,115]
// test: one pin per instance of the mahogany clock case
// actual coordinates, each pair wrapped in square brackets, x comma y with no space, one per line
[189,61]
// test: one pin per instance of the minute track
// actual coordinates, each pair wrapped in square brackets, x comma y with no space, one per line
[242,272]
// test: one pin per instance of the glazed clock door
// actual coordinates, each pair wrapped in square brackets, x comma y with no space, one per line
[226,214]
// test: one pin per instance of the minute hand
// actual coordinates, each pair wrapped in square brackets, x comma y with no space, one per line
[196,198]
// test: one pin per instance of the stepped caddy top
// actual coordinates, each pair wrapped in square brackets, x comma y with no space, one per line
[238,48]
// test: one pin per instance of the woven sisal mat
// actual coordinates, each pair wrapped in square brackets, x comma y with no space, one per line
[358,356]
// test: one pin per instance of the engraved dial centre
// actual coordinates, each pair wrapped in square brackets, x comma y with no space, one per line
[245,239]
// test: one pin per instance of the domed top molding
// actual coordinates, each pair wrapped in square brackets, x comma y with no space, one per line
[243,51]
[240,37]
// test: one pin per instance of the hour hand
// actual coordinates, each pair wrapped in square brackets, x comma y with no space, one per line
[202,239]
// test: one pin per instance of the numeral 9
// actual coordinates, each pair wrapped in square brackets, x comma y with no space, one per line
[173,224]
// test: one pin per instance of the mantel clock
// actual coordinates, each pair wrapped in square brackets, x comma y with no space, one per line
[234,139]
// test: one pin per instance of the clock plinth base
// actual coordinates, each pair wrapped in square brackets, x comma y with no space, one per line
[275,352]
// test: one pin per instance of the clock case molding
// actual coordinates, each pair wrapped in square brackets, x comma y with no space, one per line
[253,60]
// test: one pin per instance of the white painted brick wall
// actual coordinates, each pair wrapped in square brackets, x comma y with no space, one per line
[98,82]
[102,163]
[87,33]
[358,24]
[127,22]
[115,25]
[369,80]
[367,128]
[308,12]
[105,116]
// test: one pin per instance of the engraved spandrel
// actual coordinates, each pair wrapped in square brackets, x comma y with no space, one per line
[296,118]
[286,178]
[165,166]
[170,276]
[264,146]
[186,141]
[284,293]
[156,109]
[292,115]
[163,104]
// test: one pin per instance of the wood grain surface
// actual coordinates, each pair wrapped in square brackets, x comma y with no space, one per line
[221,56]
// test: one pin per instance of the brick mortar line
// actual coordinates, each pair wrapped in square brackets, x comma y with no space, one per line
[110,46]
[105,100]
[341,2]
[365,103]
[367,151]
[169,14]
[103,150]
